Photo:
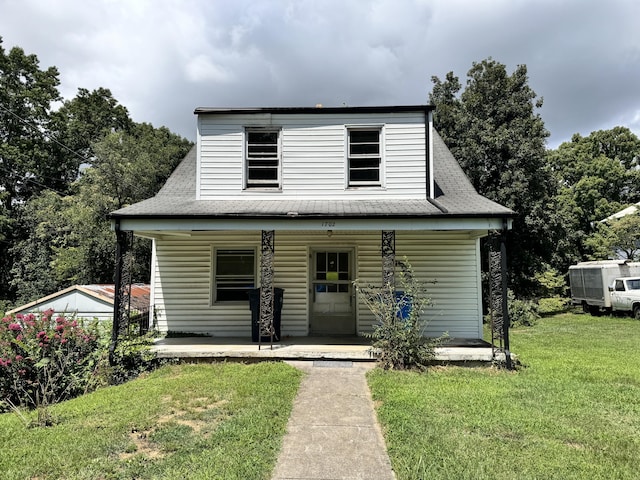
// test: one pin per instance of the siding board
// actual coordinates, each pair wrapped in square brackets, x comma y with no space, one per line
[313,155]
[183,275]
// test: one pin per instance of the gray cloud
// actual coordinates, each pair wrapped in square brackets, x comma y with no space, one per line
[163,58]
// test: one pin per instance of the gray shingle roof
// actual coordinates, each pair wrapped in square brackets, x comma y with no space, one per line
[457,198]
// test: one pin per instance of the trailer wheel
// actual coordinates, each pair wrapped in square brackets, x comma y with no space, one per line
[636,311]
[594,310]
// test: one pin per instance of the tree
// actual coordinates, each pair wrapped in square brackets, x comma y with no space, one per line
[77,126]
[617,238]
[499,140]
[68,239]
[597,176]
[26,96]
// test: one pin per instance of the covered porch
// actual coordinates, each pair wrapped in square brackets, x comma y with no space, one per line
[469,352]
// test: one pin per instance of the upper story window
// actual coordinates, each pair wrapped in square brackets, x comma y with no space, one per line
[364,156]
[262,158]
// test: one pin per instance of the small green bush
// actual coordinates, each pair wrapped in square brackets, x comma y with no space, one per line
[552,305]
[522,313]
[398,333]
[133,356]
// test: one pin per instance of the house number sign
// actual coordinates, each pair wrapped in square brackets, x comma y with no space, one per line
[329,224]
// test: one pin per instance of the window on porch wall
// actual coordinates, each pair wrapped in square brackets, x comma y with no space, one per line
[235,274]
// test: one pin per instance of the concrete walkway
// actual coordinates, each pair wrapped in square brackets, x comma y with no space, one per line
[333,432]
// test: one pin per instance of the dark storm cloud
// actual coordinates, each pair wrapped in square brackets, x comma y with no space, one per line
[163,58]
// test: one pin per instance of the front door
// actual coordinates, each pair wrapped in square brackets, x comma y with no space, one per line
[332,306]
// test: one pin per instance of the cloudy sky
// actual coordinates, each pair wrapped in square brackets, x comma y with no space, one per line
[163,58]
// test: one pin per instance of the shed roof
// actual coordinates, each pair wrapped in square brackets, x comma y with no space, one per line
[140,296]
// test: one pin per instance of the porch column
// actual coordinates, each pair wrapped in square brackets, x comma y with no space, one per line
[266,327]
[122,290]
[498,297]
[388,265]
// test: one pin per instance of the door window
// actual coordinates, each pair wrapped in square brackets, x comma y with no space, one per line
[332,267]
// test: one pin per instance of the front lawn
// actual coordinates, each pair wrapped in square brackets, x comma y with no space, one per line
[572,412]
[182,421]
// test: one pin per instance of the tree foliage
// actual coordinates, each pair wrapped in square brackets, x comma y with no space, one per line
[26,97]
[616,238]
[498,138]
[597,176]
[62,172]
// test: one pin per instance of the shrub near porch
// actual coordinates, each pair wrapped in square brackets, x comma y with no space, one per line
[571,411]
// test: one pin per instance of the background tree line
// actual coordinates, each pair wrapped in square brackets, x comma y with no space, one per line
[560,196]
[65,164]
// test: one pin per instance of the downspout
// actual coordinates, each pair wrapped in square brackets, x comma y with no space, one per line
[428,153]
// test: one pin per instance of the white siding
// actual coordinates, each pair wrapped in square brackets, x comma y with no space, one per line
[183,278]
[313,155]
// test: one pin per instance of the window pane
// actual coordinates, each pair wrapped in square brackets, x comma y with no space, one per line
[332,262]
[262,150]
[369,175]
[263,173]
[235,274]
[366,163]
[365,136]
[235,262]
[364,142]
[257,137]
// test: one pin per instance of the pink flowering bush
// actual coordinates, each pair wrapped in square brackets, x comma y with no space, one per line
[46,358]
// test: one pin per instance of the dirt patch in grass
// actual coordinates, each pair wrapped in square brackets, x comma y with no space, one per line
[140,443]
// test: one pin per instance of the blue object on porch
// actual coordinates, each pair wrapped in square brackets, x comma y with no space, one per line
[254,305]
[405,304]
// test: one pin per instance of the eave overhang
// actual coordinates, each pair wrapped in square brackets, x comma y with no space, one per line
[311,223]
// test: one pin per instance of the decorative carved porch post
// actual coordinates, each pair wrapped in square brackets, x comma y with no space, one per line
[122,290]
[267,299]
[498,297]
[388,265]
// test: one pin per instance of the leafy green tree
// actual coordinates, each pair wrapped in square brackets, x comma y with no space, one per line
[27,94]
[597,176]
[617,238]
[498,138]
[26,97]
[39,222]
[77,126]
[130,167]
[68,238]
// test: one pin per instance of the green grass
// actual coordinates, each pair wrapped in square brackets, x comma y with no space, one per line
[221,421]
[571,412]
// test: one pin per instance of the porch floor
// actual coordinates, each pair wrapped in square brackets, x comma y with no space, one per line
[350,348]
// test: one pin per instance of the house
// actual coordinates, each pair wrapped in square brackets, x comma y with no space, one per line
[630,210]
[86,301]
[309,200]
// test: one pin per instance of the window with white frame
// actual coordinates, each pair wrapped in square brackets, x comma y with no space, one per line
[364,156]
[262,155]
[235,274]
